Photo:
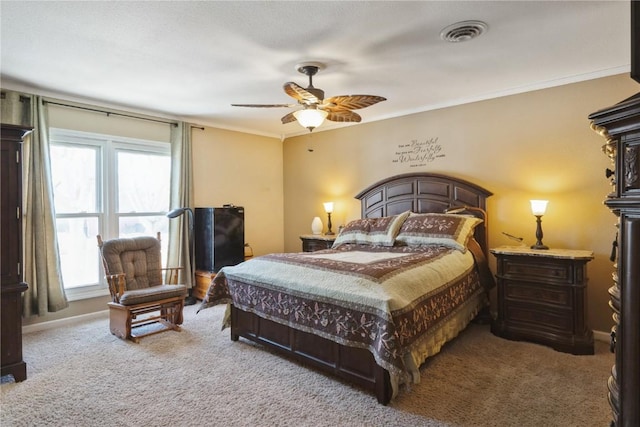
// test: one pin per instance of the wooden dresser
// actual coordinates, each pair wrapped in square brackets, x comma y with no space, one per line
[619,125]
[11,264]
[542,297]
[317,242]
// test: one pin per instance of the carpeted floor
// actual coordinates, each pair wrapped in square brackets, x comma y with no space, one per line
[83,376]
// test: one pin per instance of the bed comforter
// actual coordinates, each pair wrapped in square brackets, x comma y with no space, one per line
[397,302]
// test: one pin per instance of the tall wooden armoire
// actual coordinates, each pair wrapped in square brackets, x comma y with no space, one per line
[620,126]
[11,264]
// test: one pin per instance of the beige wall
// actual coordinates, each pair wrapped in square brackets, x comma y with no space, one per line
[89,121]
[520,147]
[244,170]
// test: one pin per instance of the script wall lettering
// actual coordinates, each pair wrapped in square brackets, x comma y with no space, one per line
[419,153]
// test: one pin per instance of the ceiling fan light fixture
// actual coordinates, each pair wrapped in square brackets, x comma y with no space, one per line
[310,118]
[315,108]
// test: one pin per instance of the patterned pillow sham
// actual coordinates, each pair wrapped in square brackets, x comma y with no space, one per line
[448,230]
[372,231]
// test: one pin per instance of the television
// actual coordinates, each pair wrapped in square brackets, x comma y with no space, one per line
[219,237]
[635,40]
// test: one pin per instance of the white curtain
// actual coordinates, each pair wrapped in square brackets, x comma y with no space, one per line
[181,197]
[41,256]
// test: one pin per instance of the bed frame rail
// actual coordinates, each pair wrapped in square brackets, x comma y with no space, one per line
[355,365]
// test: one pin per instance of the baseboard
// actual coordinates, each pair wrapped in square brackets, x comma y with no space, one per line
[602,336]
[51,324]
[104,314]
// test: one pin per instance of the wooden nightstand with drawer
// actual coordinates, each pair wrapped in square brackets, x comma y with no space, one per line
[542,297]
[204,278]
[317,242]
[203,281]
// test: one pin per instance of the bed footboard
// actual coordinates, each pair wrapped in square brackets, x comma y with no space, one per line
[355,365]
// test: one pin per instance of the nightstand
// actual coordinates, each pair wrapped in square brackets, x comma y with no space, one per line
[203,281]
[204,278]
[542,297]
[316,242]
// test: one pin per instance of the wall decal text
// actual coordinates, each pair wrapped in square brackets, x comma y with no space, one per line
[419,153]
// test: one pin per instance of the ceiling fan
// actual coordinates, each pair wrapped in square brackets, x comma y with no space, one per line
[315,108]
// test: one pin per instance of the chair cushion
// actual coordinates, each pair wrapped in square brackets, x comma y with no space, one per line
[152,293]
[139,258]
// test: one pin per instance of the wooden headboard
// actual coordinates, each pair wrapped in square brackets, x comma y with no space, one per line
[425,192]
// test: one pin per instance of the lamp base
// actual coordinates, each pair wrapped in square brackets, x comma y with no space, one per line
[539,234]
[539,247]
[329,233]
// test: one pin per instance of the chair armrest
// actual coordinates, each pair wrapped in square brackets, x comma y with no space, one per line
[171,275]
[116,284]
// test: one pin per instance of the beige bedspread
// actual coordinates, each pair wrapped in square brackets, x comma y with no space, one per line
[401,303]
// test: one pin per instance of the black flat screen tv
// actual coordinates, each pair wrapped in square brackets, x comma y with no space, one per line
[219,237]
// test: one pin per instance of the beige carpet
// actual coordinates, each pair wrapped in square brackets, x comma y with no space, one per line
[84,376]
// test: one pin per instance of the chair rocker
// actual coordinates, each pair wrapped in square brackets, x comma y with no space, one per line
[139,297]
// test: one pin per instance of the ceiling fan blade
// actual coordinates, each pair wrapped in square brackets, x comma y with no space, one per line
[301,94]
[351,102]
[344,116]
[288,118]
[265,105]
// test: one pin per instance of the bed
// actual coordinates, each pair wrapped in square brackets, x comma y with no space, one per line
[395,287]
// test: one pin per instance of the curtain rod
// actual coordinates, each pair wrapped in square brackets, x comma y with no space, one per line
[109,113]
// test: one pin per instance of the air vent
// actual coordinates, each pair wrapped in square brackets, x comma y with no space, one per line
[463,31]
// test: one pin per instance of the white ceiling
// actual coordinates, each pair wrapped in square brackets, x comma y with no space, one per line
[191,60]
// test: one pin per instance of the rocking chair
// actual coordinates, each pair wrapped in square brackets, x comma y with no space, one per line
[139,298]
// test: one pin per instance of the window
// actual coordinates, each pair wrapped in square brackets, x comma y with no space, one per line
[105,185]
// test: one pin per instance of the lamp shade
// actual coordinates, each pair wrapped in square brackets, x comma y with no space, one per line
[539,207]
[328,207]
[310,118]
